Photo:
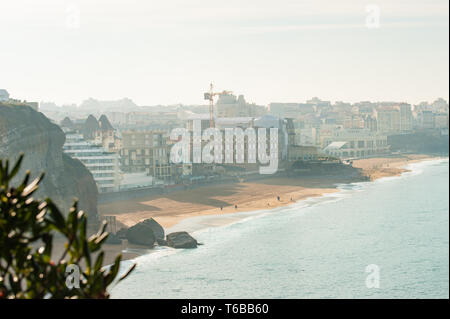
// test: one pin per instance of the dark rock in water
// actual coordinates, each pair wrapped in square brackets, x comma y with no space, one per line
[145,233]
[181,240]
[161,242]
[158,230]
[113,240]
[141,234]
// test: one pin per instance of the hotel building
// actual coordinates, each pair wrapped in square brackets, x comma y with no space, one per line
[145,151]
[355,143]
[103,165]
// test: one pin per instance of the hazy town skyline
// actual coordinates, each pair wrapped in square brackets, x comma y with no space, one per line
[168,52]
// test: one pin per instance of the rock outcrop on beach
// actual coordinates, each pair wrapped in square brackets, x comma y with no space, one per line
[181,240]
[23,129]
[149,232]
[146,233]
[157,229]
[140,234]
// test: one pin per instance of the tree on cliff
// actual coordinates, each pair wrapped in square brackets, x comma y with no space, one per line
[29,272]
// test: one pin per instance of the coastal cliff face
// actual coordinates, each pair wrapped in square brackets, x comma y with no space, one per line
[24,130]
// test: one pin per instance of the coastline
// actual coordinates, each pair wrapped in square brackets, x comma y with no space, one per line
[182,210]
[320,242]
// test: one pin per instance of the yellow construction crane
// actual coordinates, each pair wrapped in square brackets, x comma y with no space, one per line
[210,96]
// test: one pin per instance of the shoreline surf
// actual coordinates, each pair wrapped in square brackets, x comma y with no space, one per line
[317,259]
[201,223]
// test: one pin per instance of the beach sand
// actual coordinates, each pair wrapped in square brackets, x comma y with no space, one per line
[378,167]
[170,209]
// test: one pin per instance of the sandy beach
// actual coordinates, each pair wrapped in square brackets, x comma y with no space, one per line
[379,167]
[170,209]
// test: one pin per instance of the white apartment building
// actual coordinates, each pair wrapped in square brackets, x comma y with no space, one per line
[103,165]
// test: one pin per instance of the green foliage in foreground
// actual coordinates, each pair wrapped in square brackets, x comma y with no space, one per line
[27,228]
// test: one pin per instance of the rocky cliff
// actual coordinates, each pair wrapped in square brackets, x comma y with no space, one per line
[24,130]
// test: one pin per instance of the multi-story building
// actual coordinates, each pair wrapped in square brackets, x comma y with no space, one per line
[345,143]
[105,135]
[406,119]
[290,110]
[103,165]
[285,135]
[318,102]
[306,136]
[354,121]
[388,120]
[441,120]
[395,119]
[370,123]
[229,106]
[145,151]
[427,120]
[440,106]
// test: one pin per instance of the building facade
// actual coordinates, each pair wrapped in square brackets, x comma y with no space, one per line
[103,165]
[229,106]
[355,143]
[145,151]
[395,119]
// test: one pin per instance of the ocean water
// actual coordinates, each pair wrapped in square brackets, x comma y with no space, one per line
[317,248]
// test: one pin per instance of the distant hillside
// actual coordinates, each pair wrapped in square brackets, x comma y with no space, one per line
[123,105]
[24,130]
[424,143]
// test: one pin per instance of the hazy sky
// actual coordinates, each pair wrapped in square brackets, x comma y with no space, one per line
[166,52]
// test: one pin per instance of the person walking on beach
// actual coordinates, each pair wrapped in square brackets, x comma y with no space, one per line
[278,197]
[235,206]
